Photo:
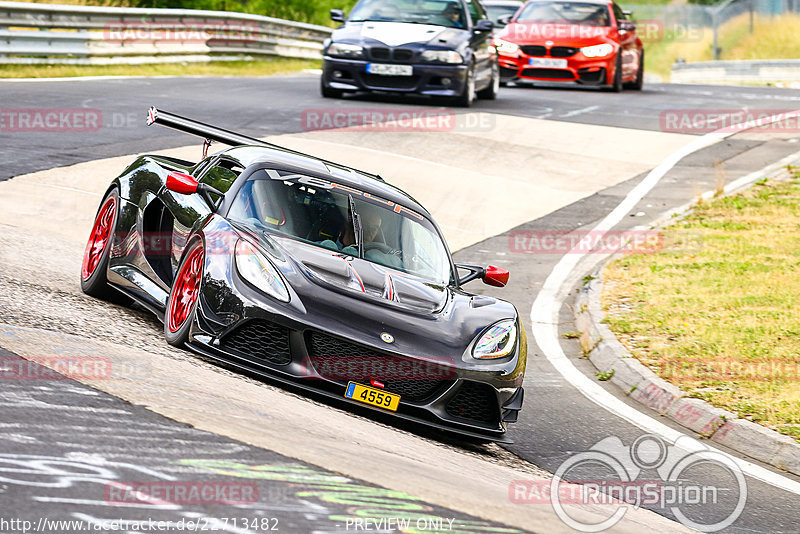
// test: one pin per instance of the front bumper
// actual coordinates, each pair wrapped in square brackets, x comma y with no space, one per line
[431,80]
[286,342]
[586,71]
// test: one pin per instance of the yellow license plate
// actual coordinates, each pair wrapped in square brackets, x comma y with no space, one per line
[375,397]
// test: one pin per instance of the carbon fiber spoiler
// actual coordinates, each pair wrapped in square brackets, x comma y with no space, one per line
[227,137]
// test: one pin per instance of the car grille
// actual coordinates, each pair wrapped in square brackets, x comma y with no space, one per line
[260,339]
[403,54]
[326,351]
[385,54]
[475,402]
[534,50]
[563,51]
[390,82]
[380,53]
[550,74]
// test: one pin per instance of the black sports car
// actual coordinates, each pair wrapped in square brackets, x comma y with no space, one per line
[288,266]
[438,48]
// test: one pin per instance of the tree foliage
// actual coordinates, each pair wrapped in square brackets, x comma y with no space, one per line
[312,11]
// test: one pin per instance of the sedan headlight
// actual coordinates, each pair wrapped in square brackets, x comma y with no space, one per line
[505,47]
[600,50]
[259,271]
[498,341]
[345,50]
[442,56]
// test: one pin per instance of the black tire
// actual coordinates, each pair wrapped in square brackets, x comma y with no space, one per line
[328,92]
[638,83]
[94,281]
[616,86]
[179,336]
[490,92]
[464,100]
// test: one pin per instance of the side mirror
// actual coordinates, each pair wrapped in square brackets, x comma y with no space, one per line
[491,275]
[503,20]
[484,25]
[337,15]
[185,184]
[495,276]
[626,26]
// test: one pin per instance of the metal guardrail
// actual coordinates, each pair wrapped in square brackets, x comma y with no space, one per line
[50,33]
[756,71]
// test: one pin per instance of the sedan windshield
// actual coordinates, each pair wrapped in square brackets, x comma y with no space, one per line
[568,13]
[344,220]
[437,12]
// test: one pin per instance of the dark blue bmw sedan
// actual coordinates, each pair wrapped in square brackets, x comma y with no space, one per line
[439,48]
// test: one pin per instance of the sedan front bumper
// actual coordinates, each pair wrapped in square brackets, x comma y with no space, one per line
[431,80]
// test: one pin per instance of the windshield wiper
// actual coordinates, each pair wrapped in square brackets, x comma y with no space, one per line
[357,228]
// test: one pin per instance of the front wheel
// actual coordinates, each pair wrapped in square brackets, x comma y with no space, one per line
[95,258]
[638,83]
[464,100]
[182,302]
[616,86]
[490,93]
[329,92]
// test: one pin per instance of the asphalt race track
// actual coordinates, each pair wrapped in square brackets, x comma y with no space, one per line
[39,433]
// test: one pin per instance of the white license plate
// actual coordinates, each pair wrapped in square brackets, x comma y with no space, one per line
[548,63]
[390,70]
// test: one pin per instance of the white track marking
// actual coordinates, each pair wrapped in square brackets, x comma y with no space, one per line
[581,111]
[544,315]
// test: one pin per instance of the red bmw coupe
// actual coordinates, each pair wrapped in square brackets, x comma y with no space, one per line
[590,42]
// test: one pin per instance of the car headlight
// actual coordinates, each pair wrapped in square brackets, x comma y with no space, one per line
[498,341]
[345,50]
[259,271]
[442,56]
[600,50]
[505,47]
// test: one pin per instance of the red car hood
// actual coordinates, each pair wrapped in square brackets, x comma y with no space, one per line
[560,34]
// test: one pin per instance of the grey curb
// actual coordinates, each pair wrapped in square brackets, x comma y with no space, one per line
[607,354]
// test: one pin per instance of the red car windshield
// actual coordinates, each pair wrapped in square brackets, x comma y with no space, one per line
[567,13]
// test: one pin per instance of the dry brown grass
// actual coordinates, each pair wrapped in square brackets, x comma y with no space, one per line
[717,312]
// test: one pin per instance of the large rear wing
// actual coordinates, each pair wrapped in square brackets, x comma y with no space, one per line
[214,133]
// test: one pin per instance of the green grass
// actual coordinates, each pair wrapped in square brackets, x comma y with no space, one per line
[772,38]
[261,67]
[721,320]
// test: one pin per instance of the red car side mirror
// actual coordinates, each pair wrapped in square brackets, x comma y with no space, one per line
[177,182]
[495,276]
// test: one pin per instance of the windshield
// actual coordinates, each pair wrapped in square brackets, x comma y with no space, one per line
[571,13]
[497,11]
[342,219]
[437,12]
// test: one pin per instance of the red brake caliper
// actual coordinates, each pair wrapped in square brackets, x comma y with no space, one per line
[186,288]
